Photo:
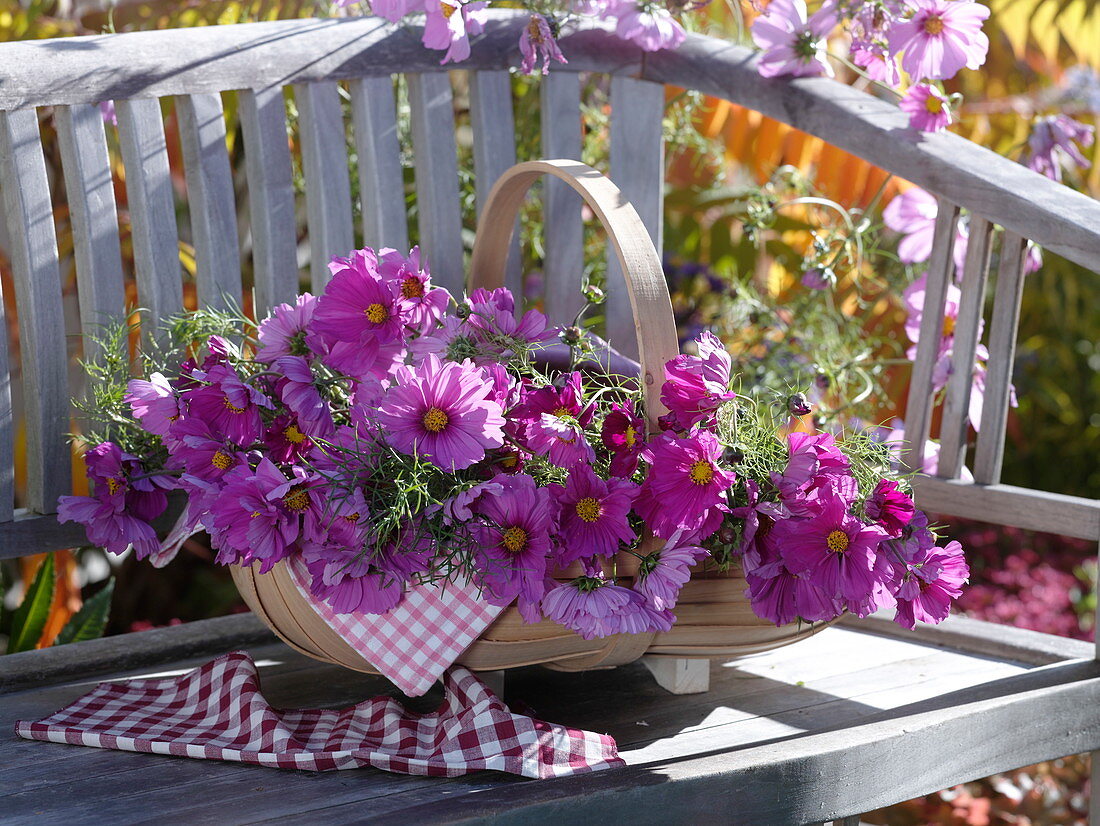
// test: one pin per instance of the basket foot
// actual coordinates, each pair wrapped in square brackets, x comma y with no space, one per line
[494,680]
[679,675]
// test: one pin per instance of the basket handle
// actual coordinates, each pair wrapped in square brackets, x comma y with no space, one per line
[654,322]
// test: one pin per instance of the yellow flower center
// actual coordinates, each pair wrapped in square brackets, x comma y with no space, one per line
[412,288]
[589,509]
[294,435]
[434,420]
[297,499]
[933,105]
[514,539]
[114,486]
[630,437]
[221,460]
[533,31]
[510,461]
[702,472]
[376,313]
[562,412]
[447,10]
[837,542]
[254,514]
[933,24]
[232,408]
[351,518]
[948,326]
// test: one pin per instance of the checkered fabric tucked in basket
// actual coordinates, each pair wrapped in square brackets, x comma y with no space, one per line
[217,712]
[414,642]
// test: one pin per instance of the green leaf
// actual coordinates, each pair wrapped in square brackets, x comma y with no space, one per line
[30,617]
[88,623]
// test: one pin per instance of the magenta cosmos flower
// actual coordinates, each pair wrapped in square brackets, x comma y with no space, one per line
[663,573]
[928,108]
[285,331]
[596,608]
[890,507]
[298,390]
[623,433]
[783,598]
[421,305]
[443,411]
[592,519]
[449,25]
[931,586]
[833,549]
[793,45]
[941,38]
[537,40]
[1053,139]
[229,405]
[154,403]
[686,488]
[696,386]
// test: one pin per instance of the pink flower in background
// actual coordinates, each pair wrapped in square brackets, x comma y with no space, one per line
[538,41]
[623,433]
[107,112]
[877,61]
[662,574]
[931,586]
[153,403]
[449,25]
[928,108]
[895,438]
[442,411]
[285,331]
[696,386]
[648,26]
[941,38]
[394,10]
[593,513]
[686,486]
[1053,141]
[794,45]
[913,214]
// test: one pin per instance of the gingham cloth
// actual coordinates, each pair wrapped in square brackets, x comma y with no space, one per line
[414,642]
[217,712]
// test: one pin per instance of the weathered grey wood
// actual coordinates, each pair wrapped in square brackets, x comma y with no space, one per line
[90,191]
[494,151]
[1007,505]
[211,200]
[918,410]
[439,214]
[33,255]
[989,454]
[152,209]
[638,169]
[968,327]
[271,196]
[563,234]
[7,436]
[1094,779]
[381,178]
[328,185]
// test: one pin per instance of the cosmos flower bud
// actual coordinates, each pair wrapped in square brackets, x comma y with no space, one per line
[798,405]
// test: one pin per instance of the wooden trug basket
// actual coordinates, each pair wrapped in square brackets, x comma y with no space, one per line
[714,617]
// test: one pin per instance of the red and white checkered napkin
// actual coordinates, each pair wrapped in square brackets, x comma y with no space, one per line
[414,642]
[217,712]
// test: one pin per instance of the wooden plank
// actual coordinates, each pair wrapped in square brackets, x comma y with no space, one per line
[152,209]
[89,188]
[33,255]
[493,124]
[328,185]
[563,232]
[7,434]
[439,211]
[968,327]
[1002,354]
[918,410]
[210,197]
[1007,505]
[381,177]
[271,196]
[638,169]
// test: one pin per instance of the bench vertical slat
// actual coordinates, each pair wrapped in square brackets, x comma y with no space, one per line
[493,123]
[563,236]
[270,197]
[989,455]
[439,210]
[328,182]
[918,410]
[210,196]
[7,441]
[637,168]
[33,254]
[968,325]
[152,209]
[381,178]
[93,216]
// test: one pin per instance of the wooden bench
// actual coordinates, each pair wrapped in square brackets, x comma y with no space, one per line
[859,716]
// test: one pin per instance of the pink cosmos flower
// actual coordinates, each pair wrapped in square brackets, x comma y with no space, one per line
[834,549]
[931,586]
[202,452]
[928,108]
[491,317]
[759,555]
[941,38]
[561,439]
[686,487]
[592,519]
[877,62]
[154,403]
[815,461]
[299,393]
[895,438]
[890,507]
[284,332]
[538,40]
[783,598]
[650,27]
[1052,141]
[623,433]
[444,412]
[351,586]
[229,405]
[421,305]
[663,573]
[449,25]
[696,386]
[394,10]
[596,608]
[913,214]
[285,440]
[794,45]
